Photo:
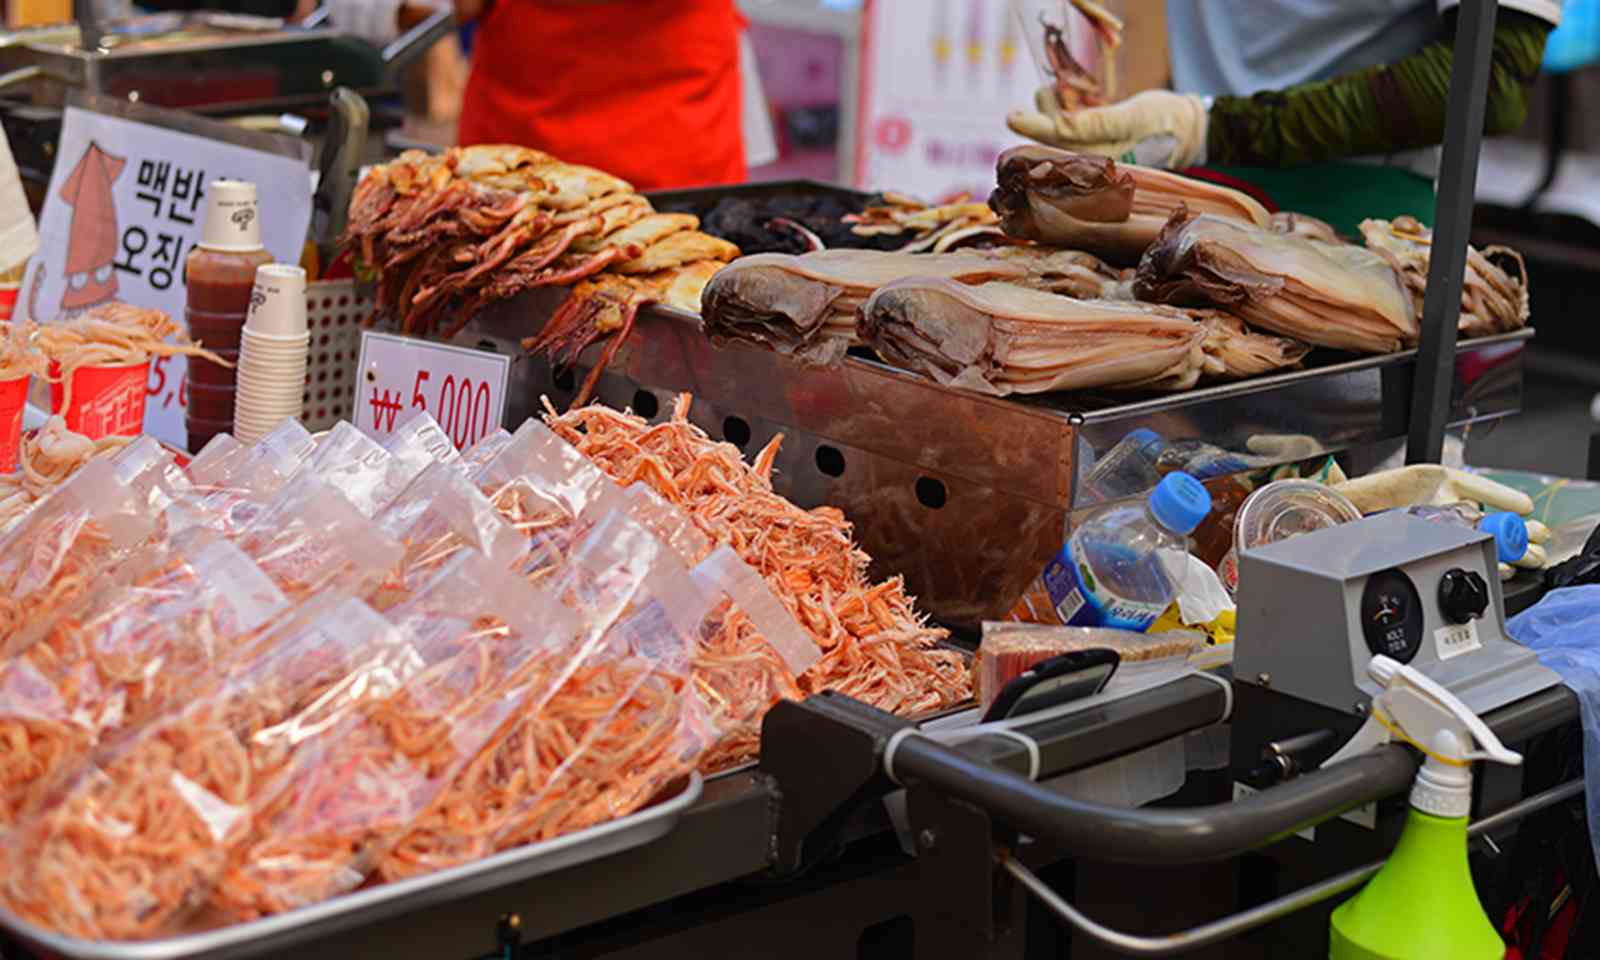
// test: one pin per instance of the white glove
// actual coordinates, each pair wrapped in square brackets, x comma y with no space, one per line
[1156,128]
[1431,484]
[375,21]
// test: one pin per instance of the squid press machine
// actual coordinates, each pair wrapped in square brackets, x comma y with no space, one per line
[1239,864]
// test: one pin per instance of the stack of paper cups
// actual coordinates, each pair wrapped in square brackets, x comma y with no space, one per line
[272,353]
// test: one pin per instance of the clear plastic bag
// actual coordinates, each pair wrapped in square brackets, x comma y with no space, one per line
[140,839]
[367,473]
[617,723]
[483,453]
[421,442]
[485,646]
[51,559]
[233,483]
[440,514]
[128,656]
[748,652]
[309,538]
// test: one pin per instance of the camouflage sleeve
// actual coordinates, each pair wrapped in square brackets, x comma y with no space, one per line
[1378,110]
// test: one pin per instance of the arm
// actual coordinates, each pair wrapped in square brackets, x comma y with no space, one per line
[1381,109]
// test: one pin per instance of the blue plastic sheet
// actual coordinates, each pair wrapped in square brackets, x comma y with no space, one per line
[1564,629]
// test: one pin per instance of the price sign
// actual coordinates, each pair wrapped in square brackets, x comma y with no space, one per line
[464,389]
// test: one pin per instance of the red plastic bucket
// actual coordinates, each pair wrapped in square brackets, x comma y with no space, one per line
[106,401]
[13,400]
[8,300]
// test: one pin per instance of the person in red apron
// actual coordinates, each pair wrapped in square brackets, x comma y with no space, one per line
[648,90]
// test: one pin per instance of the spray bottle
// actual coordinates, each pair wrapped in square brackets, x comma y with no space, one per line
[1422,903]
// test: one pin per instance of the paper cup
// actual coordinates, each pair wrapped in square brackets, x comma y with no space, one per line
[106,401]
[13,402]
[233,219]
[278,303]
[273,341]
[8,300]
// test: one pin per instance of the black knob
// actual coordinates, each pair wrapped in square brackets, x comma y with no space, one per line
[1463,595]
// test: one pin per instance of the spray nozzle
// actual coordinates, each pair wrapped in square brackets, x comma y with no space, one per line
[1413,708]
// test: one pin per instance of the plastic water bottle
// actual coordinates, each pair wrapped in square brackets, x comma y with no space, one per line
[1128,468]
[1509,530]
[1123,566]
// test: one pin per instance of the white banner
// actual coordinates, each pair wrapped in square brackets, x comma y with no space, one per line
[124,212]
[938,77]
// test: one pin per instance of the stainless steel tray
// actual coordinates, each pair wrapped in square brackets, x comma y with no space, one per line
[366,907]
[967,495]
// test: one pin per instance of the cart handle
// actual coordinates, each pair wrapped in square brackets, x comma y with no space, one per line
[1177,836]
[1166,945]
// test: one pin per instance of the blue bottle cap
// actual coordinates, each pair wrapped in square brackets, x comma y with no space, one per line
[1179,502]
[1145,437]
[1510,535]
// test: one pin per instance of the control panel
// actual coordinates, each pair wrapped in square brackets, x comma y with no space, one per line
[1315,609]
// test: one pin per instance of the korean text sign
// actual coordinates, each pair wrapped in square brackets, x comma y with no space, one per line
[125,209]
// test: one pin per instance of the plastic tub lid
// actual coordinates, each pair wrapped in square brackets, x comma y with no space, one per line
[1286,508]
[1179,502]
[1510,535]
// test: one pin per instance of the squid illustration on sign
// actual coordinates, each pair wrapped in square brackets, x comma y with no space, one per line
[89,271]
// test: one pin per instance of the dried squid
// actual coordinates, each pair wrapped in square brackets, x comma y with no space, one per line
[1329,295]
[1114,211]
[806,305]
[1493,300]
[999,338]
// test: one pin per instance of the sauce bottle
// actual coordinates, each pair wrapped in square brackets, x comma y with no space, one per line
[219,275]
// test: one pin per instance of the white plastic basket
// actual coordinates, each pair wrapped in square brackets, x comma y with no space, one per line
[335,311]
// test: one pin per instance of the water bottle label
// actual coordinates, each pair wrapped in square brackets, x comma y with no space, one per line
[1080,601]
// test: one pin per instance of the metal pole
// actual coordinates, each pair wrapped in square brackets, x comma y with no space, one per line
[1458,176]
[1166,945]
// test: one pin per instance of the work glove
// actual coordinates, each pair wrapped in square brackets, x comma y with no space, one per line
[1157,128]
[1434,485]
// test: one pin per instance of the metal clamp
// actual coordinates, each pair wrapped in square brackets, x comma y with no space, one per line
[1170,944]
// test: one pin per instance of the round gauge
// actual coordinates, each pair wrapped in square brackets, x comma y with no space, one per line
[1391,615]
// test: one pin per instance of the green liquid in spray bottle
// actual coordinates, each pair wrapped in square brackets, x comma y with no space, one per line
[1422,905]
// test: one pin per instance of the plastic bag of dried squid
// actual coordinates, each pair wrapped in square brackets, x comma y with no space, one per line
[51,558]
[486,645]
[541,484]
[439,515]
[138,841]
[632,721]
[234,482]
[48,458]
[126,656]
[309,538]
[617,725]
[370,474]
[478,456]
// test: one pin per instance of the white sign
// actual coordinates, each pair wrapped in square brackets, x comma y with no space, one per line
[464,389]
[938,78]
[123,213]
[1456,639]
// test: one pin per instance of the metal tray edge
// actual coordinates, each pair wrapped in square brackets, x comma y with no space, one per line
[282,930]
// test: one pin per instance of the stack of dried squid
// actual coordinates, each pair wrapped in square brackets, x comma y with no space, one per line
[445,236]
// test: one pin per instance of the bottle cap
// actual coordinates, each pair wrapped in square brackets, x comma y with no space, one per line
[1146,438]
[1179,502]
[233,219]
[278,301]
[1510,535]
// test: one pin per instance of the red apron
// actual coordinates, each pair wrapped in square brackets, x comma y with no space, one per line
[644,89]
